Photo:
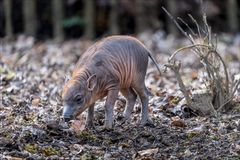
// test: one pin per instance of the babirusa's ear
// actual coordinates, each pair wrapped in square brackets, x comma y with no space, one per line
[91,82]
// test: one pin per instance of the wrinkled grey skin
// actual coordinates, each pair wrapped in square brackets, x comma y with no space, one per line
[116,63]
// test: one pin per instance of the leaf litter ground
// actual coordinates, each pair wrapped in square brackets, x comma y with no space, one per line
[32,78]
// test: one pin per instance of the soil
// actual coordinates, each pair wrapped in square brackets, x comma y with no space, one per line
[32,78]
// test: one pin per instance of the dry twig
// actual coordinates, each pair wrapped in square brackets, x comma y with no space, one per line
[206,50]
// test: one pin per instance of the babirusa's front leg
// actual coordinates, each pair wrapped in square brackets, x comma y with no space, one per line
[109,106]
[90,116]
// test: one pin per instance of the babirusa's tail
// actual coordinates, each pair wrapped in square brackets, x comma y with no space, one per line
[154,61]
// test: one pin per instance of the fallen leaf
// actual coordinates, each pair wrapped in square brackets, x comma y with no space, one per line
[87,156]
[2,70]
[237,148]
[175,100]
[187,153]
[10,76]
[49,151]
[76,148]
[148,152]
[13,158]
[177,122]
[35,102]
[32,148]
[77,125]
[194,74]
[125,145]
[161,93]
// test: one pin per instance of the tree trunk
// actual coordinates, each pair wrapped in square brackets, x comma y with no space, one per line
[57,13]
[171,6]
[30,21]
[141,25]
[146,15]
[232,15]
[89,13]
[114,29]
[8,22]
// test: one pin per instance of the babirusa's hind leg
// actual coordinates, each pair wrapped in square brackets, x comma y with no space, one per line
[143,94]
[131,97]
[144,111]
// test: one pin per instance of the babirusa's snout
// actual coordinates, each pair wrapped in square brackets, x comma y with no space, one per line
[68,112]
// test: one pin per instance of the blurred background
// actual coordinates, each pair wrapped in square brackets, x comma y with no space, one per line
[71,19]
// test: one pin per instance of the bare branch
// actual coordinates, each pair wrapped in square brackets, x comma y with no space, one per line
[193,33]
[186,47]
[207,28]
[176,67]
[231,96]
[195,22]
[177,24]
[225,70]
[182,30]
[235,87]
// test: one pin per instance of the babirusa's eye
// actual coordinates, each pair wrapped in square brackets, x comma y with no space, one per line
[78,99]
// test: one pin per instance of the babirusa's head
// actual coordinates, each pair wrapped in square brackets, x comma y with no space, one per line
[77,96]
